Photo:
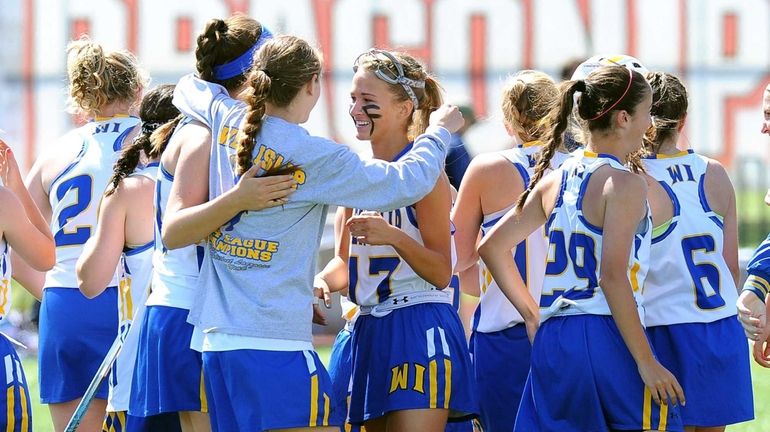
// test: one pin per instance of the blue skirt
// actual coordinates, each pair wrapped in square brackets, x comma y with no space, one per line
[583,378]
[711,362]
[256,390]
[75,335]
[168,374]
[413,358]
[501,366]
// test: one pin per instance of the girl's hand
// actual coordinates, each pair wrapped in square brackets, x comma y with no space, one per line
[662,384]
[447,116]
[257,193]
[9,168]
[751,315]
[370,228]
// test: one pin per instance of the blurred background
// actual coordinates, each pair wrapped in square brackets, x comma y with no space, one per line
[720,48]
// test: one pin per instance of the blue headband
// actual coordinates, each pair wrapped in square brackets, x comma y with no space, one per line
[240,65]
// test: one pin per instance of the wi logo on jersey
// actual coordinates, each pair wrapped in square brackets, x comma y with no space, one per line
[675,171]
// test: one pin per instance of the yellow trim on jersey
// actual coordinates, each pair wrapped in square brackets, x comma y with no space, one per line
[101,119]
[24,410]
[126,302]
[204,400]
[314,400]
[647,410]
[447,382]
[531,144]
[591,154]
[487,275]
[671,156]
[327,404]
[663,417]
[4,285]
[634,277]
[433,380]
[759,283]
[11,414]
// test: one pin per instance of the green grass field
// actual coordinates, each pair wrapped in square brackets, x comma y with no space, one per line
[42,420]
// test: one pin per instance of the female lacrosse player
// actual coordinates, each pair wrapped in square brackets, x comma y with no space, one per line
[689,293]
[66,184]
[592,367]
[124,240]
[23,229]
[399,261]
[167,378]
[501,348]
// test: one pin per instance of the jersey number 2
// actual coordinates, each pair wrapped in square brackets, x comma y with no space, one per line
[82,186]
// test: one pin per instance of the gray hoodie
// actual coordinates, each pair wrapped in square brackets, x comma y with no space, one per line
[257,274]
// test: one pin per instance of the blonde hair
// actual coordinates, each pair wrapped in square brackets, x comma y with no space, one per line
[98,78]
[528,96]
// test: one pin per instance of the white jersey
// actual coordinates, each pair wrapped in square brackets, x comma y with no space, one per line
[351,311]
[377,272]
[77,190]
[495,312]
[689,280]
[571,284]
[175,271]
[134,275]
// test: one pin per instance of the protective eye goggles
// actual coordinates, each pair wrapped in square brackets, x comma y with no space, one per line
[385,73]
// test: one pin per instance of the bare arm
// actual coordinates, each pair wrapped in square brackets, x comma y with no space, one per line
[30,278]
[101,253]
[125,218]
[495,250]
[335,274]
[467,216]
[191,217]
[481,193]
[624,208]
[469,281]
[27,240]
[721,196]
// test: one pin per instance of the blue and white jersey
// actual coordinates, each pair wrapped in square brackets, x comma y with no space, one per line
[689,281]
[76,192]
[377,272]
[175,271]
[495,312]
[573,264]
[134,276]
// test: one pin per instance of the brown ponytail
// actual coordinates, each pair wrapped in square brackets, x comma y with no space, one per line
[156,111]
[281,68]
[669,108]
[222,41]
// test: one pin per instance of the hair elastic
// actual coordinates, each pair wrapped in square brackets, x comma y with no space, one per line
[241,64]
[630,79]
